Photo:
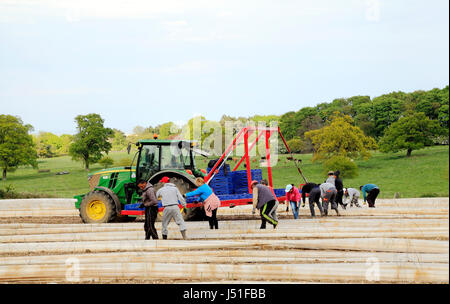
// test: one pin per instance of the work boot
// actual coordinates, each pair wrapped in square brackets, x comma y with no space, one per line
[183,233]
[164,237]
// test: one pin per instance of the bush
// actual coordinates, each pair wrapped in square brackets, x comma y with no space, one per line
[124,162]
[344,164]
[295,145]
[106,162]
[10,193]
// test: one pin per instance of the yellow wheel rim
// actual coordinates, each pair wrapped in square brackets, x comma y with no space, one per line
[96,210]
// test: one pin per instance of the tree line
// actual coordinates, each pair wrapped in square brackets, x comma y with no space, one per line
[345,128]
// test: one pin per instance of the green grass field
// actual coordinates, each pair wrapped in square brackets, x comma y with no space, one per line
[425,174]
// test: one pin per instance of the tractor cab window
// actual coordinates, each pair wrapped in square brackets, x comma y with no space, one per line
[148,162]
[186,156]
[174,157]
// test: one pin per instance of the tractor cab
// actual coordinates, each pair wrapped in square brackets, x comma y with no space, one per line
[162,155]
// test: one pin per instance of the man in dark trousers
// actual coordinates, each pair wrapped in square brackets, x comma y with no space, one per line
[340,189]
[264,200]
[313,192]
[328,193]
[150,203]
[372,193]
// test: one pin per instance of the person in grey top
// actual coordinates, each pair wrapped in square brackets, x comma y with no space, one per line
[331,178]
[328,193]
[170,196]
[352,195]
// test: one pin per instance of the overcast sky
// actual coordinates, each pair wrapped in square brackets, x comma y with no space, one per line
[145,62]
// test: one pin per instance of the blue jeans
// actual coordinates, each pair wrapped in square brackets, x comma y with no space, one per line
[294,209]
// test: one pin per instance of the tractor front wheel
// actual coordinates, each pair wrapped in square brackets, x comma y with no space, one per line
[97,207]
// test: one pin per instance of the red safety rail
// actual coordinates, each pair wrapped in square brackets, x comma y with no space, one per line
[244,134]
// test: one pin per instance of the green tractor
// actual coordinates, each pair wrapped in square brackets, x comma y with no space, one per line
[113,188]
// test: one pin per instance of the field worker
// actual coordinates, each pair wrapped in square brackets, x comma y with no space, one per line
[211,201]
[170,196]
[313,192]
[372,192]
[293,197]
[150,203]
[353,195]
[328,193]
[331,178]
[340,189]
[265,201]
[273,213]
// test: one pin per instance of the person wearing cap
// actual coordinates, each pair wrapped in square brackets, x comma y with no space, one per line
[372,193]
[164,180]
[211,201]
[328,193]
[293,197]
[331,178]
[265,201]
[352,195]
[150,203]
[170,197]
[313,192]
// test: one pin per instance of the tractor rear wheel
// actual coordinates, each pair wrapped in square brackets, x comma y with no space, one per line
[97,207]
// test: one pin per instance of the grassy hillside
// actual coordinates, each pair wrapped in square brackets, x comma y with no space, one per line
[424,174]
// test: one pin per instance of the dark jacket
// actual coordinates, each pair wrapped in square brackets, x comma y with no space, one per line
[338,182]
[307,189]
[149,197]
[261,195]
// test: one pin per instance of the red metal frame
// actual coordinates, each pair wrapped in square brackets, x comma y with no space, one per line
[247,131]
[243,134]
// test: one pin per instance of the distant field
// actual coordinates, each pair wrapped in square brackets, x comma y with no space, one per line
[425,174]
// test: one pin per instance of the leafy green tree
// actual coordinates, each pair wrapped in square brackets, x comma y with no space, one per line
[410,133]
[288,125]
[91,140]
[119,140]
[16,145]
[167,129]
[443,116]
[47,144]
[386,111]
[65,140]
[340,138]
